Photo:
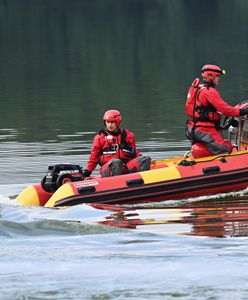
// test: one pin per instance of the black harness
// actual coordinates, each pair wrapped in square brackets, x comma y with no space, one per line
[202,110]
[112,148]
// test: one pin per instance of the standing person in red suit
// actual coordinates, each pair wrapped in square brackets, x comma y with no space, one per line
[114,149]
[205,114]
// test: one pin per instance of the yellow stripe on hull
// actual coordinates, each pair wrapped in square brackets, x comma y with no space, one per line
[162,174]
[64,191]
[28,196]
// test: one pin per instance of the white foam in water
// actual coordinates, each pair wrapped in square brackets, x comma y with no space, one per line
[6,200]
[12,211]
[175,203]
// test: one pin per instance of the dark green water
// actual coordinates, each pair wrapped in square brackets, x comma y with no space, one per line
[63,63]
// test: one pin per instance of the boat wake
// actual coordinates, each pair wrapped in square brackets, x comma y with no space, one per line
[12,229]
[16,219]
[190,201]
[218,215]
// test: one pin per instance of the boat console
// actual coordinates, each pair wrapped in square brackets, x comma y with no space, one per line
[238,135]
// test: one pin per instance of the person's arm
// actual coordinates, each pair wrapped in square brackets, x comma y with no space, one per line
[221,106]
[94,156]
[132,144]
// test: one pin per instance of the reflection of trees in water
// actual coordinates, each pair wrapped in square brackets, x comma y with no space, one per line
[64,63]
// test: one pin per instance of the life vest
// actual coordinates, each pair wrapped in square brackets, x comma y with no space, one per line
[194,109]
[191,97]
[115,146]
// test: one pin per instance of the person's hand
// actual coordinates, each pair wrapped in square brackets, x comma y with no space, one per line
[244,111]
[86,173]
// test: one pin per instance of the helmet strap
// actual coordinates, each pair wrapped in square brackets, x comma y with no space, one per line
[209,83]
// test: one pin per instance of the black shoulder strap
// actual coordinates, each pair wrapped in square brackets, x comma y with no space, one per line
[196,98]
[103,131]
[123,133]
[124,138]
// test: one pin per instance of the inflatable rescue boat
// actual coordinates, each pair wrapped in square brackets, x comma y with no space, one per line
[174,178]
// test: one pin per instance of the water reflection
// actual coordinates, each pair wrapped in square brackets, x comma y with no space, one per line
[220,218]
[224,217]
[63,63]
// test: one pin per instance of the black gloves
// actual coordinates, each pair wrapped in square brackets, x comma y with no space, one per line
[244,111]
[86,173]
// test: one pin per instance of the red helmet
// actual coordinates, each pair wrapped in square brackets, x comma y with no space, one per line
[113,116]
[212,70]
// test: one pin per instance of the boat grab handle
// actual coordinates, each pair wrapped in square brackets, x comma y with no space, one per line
[135,182]
[86,190]
[211,170]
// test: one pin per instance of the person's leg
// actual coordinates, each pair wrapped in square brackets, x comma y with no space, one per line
[113,167]
[140,163]
[213,140]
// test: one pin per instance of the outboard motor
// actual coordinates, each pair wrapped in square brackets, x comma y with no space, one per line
[59,174]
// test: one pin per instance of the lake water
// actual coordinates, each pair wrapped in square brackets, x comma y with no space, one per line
[63,63]
[188,249]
